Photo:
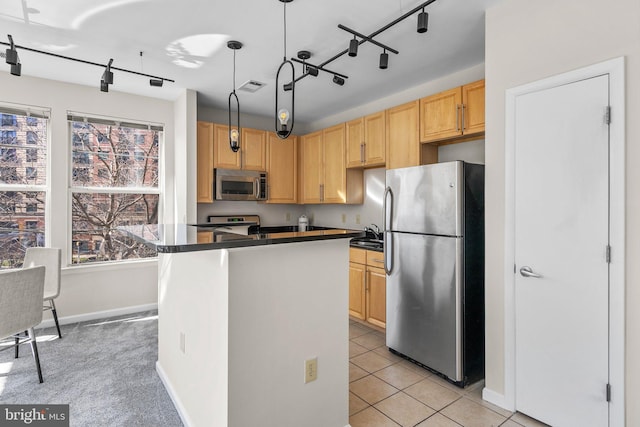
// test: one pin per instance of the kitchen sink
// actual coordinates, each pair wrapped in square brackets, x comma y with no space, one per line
[372,244]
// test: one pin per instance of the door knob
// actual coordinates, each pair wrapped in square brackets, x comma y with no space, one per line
[526,271]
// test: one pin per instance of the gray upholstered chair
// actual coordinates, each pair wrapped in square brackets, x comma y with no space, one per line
[50,258]
[21,293]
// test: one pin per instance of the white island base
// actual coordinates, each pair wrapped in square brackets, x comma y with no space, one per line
[235,327]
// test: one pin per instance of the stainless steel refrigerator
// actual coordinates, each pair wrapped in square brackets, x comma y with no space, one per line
[434,261]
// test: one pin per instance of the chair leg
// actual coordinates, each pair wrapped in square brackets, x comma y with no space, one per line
[55,317]
[34,350]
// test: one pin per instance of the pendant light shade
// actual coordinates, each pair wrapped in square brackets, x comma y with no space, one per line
[234,128]
[284,112]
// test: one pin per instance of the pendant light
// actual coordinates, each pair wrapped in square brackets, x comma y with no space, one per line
[284,119]
[234,133]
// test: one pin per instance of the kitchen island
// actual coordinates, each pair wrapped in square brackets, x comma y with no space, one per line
[238,316]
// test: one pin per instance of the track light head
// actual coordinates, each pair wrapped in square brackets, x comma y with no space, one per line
[156,82]
[104,86]
[423,22]
[107,76]
[11,54]
[338,80]
[353,47]
[312,71]
[287,86]
[384,60]
[16,69]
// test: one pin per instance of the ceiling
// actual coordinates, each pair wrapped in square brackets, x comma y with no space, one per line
[186,41]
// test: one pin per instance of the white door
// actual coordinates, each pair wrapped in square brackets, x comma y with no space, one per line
[561,234]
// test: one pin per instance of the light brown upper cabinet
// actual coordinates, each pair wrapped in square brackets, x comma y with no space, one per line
[403,145]
[282,169]
[252,154]
[366,141]
[205,162]
[324,176]
[453,113]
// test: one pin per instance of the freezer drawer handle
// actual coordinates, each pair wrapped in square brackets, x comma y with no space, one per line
[528,272]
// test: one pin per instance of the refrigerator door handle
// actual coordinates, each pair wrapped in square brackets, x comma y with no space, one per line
[388,214]
[388,253]
[388,238]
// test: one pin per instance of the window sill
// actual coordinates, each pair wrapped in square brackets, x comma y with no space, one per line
[108,266]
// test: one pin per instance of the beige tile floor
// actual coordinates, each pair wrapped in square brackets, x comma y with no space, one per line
[386,390]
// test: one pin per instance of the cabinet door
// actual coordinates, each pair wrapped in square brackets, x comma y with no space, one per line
[374,139]
[403,146]
[223,156]
[311,164]
[440,115]
[473,113]
[335,172]
[376,284]
[253,145]
[205,162]
[282,169]
[357,305]
[354,135]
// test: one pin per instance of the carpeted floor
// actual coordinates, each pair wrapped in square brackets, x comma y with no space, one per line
[104,369]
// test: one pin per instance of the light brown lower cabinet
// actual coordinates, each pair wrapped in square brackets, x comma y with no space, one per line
[367,286]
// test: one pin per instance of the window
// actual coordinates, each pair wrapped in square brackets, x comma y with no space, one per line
[32,137]
[8,120]
[112,186]
[23,185]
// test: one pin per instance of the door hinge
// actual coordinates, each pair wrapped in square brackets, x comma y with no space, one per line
[608,254]
[608,392]
[607,114]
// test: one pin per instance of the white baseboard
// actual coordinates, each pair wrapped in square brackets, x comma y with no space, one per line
[97,315]
[176,401]
[497,399]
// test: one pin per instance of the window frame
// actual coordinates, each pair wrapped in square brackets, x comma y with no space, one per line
[40,113]
[71,189]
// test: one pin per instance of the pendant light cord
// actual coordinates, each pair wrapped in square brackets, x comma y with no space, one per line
[234,71]
[285,31]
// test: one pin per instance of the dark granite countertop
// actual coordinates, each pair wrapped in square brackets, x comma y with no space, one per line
[171,238]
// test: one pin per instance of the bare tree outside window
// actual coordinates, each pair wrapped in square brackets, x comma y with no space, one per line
[23,159]
[112,188]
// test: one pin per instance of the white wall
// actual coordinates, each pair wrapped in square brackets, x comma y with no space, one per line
[87,289]
[527,41]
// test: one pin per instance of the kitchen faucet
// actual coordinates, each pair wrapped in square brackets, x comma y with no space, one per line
[375,231]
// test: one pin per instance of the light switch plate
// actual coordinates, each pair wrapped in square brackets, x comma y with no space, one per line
[310,370]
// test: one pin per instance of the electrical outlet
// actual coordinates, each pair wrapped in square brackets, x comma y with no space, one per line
[310,370]
[182,342]
[344,218]
[357,218]
[288,216]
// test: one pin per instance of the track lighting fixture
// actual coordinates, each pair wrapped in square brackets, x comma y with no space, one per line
[358,39]
[234,132]
[11,57]
[353,47]
[338,80]
[384,60]
[284,117]
[11,54]
[423,21]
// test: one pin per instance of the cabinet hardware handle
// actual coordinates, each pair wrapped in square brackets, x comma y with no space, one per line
[458,118]
[322,192]
[463,124]
[362,148]
[378,260]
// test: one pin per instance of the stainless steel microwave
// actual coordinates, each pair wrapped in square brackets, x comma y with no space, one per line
[232,184]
